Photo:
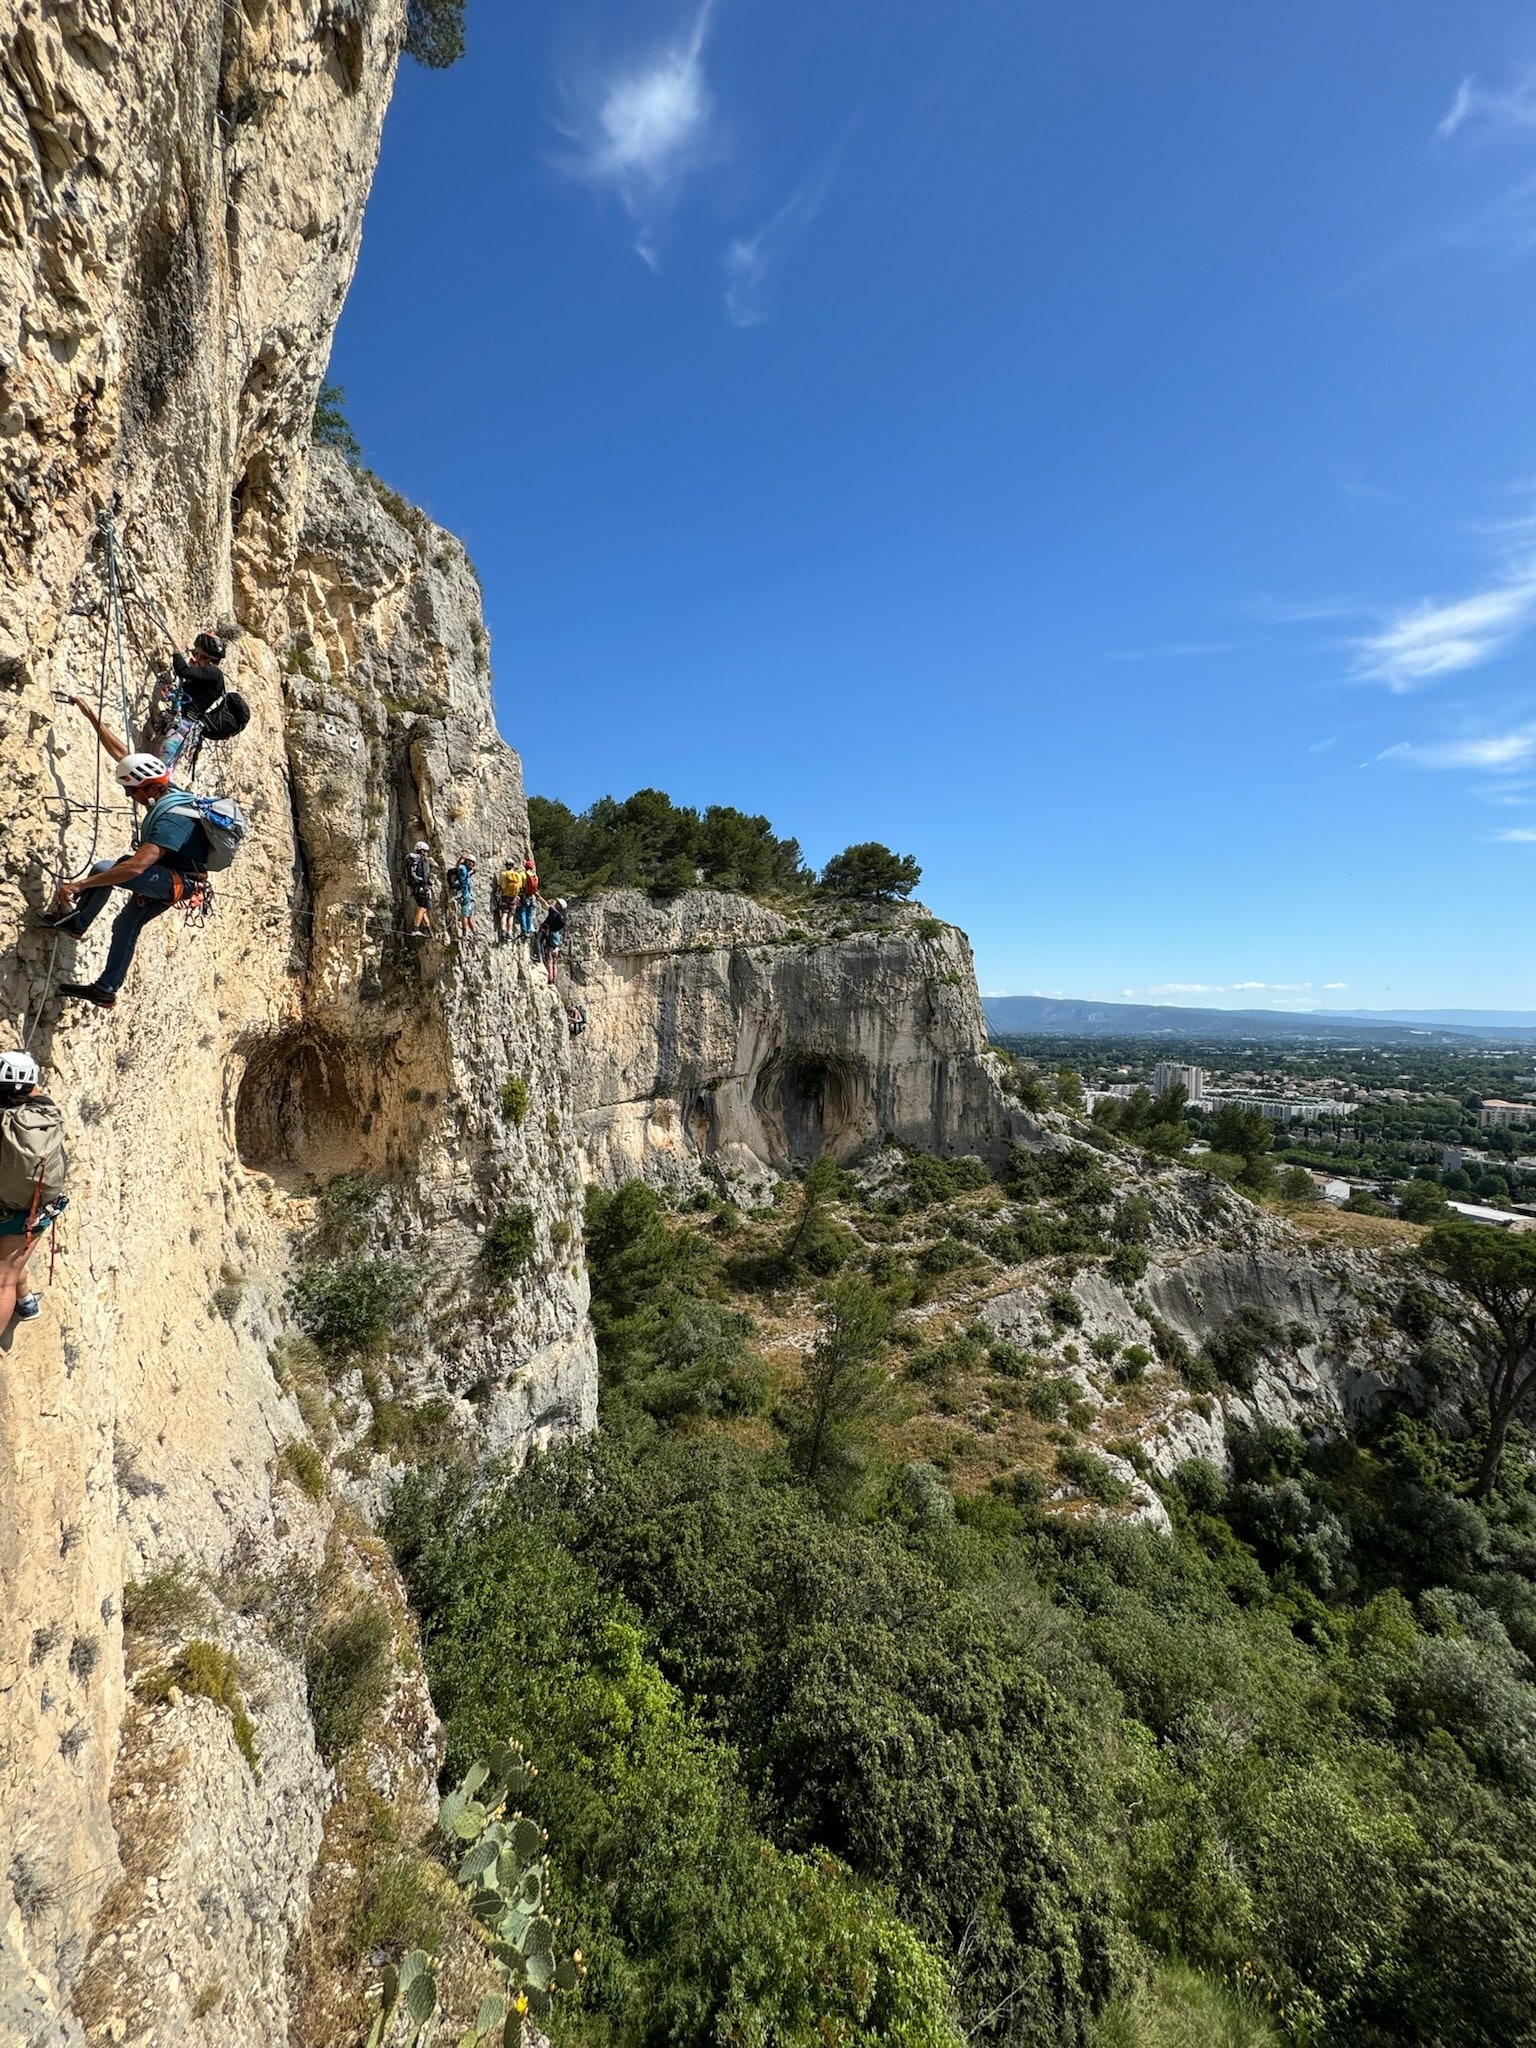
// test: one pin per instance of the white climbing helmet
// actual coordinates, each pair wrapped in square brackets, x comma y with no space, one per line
[422,846]
[134,770]
[560,903]
[18,1070]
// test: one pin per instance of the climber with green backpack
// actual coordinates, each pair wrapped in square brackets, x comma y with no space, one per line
[179,840]
[32,1174]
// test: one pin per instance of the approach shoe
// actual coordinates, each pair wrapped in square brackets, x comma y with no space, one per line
[28,1306]
[89,992]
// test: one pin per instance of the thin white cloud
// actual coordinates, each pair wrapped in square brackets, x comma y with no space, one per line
[1164,991]
[1477,106]
[641,132]
[1492,755]
[1179,650]
[1516,835]
[752,261]
[1335,984]
[1427,641]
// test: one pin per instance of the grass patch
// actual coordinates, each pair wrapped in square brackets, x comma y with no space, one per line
[348,1668]
[213,1674]
[400,1907]
[302,1463]
[1182,2009]
[166,1603]
[514,1099]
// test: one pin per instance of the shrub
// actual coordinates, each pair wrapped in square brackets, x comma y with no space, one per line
[509,1244]
[352,1308]
[1127,1264]
[1133,1362]
[332,428]
[1064,1309]
[947,1256]
[1132,1222]
[166,1603]
[1234,1352]
[401,1906]
[1298,1186]
[348,1668]
[1088,1472]
[514,1099]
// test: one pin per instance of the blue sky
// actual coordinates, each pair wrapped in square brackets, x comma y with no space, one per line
[1087,446]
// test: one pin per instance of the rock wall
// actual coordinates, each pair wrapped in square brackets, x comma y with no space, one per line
[181,194]
[722,1032]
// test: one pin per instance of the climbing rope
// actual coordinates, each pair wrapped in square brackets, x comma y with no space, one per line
[115,600]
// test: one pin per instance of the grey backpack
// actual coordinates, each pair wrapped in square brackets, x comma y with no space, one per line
[32,1161]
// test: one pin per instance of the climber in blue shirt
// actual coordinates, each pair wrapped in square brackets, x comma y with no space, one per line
[168,865]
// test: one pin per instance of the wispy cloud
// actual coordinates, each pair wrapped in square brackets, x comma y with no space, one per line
[1167,991]
[1426,641]
[1475,106]
[1516,835]
[1496,753]
[752,261]
[641,132]
[1179,650]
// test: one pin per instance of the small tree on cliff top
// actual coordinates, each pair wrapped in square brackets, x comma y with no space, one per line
[434,32]
[1492,1274]
[871,870]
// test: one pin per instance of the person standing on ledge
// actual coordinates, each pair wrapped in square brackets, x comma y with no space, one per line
[530,897]
[169,863]
[509,892]
[33,1169]
[418,876]
[461,880]
[551,933]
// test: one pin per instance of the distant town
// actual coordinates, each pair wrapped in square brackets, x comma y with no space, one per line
[1360,1119]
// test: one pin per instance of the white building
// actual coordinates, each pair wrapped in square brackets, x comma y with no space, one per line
[1169,1074]
[1500,1116]
[1284,1112]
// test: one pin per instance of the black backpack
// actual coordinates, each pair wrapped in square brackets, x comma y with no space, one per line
[228,718]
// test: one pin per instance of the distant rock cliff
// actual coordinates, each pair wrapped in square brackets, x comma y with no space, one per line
[722,1033]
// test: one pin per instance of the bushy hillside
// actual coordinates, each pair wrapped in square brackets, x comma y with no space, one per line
[871,1708]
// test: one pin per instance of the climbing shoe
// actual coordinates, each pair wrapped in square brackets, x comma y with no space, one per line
[28,1306]
[89,992]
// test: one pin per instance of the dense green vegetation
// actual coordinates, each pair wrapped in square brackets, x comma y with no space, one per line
[648,842]
[434,32]
[830,1755]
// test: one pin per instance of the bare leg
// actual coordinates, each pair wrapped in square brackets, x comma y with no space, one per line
[14,1254]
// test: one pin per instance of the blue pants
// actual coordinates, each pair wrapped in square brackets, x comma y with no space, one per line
[525,916]
[153,894]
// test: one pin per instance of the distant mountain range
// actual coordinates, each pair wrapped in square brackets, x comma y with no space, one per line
[1046,1015]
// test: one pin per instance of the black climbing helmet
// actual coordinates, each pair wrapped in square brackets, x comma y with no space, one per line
[209,644]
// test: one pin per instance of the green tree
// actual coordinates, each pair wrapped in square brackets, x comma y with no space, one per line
[844,1383]
[332,428]
[434,32]
[872,871]
[1421,1201]
[1245,1132]
[1492,1275]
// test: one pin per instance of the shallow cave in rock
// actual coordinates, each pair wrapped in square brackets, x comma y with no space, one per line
[806,1105]
[300,1106]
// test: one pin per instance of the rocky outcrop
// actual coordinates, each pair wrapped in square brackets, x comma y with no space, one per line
[181,192]
[724,1034]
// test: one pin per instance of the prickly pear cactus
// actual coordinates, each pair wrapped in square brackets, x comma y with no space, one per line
[504,1874]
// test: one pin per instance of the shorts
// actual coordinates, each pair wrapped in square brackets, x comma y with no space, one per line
[13,1222]
[422,898]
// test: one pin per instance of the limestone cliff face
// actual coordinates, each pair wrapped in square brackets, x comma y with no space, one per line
[181,192]
[722,1032]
